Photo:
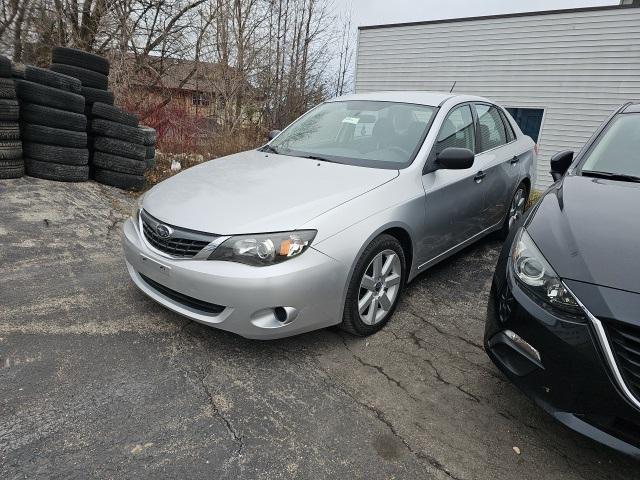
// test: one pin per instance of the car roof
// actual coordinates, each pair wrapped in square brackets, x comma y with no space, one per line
[632,108]
[419,97]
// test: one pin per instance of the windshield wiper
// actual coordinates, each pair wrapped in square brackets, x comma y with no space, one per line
[269,148]
[612,176]
[319,158]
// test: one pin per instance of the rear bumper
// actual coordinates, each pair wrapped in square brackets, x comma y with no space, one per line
[310,288]
[573,382]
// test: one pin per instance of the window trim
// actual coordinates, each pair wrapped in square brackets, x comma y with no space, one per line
[503,126]
[431,158]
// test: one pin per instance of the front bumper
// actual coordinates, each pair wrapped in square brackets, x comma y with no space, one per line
[573,383]
[310,288]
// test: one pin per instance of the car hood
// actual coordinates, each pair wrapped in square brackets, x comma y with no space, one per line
[589,230]
[253,192]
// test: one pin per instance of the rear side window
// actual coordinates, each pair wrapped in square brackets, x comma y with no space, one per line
[511,135]
[491,130]
[457,130]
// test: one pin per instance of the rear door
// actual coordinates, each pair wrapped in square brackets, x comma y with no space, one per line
[497,159]
[454,199]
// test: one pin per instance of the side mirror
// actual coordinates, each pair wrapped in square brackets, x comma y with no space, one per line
[453,158]
[560,163]
[273,134]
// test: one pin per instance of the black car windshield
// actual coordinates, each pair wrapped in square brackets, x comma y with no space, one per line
[617,152]
[358,132]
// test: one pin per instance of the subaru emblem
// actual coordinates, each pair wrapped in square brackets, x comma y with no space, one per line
[164,231]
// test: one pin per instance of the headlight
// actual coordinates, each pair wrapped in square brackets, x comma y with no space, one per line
[264,249]
[536,275]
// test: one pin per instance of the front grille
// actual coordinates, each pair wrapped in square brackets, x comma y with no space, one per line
[625,343]
[185,300]
[182,243]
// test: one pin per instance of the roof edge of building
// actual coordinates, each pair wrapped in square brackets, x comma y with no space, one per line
[499,16]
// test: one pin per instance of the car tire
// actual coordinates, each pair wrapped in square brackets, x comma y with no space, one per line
[95,95]
[89,78]
[9,111]
[56,154]
[107,128]
[118,179]
[11,168]
[7,89]
[119,147]
[56,171]
[80,58]
[150,135]
[31,92]
[52,117]
[53,79]
[9,131]
[120,164]
[53,136]
[150,162]
[10,150]
[382,249]
[114,114]
[516,210]
[150,151]
[5,67]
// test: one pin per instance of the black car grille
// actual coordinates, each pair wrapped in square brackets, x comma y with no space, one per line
[185,300]
[181,243]
[625,343]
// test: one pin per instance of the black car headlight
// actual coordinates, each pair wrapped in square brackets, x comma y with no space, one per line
[264,249]
[538,278]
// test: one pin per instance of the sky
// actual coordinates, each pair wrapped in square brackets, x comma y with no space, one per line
[376,12]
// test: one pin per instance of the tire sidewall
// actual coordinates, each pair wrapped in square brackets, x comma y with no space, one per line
[352,316]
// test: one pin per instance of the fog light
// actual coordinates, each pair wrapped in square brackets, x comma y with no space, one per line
[524,345]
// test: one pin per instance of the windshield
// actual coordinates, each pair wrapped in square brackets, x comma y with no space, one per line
[366,133]
[617,151]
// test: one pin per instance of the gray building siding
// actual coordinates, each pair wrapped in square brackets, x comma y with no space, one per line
[577,65]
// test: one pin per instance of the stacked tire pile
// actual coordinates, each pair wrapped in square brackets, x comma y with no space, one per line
[118,147]
[53,125]
[91,69]
[11,163]
[150,138]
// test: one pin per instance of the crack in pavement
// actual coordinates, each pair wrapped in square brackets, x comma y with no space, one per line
[379,369]
[237,438]
[328,380]
[445,333]
[417,341]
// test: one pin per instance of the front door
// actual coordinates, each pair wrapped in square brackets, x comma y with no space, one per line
[454,199]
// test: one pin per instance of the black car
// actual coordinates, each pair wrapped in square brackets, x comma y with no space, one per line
[563,321]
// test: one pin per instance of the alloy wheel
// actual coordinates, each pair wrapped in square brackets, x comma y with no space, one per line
[379,287]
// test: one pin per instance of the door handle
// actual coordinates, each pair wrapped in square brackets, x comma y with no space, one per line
[479,176]
[515,160]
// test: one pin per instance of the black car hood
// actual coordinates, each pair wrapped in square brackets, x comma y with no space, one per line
[589,230]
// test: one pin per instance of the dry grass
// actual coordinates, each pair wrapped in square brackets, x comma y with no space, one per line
[534,196]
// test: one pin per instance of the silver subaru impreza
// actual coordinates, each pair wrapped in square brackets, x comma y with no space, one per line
[327,223]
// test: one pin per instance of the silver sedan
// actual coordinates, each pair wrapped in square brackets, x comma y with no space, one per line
[330,220]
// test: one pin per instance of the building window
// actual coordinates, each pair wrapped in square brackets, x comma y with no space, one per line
[529,120]
[200,99]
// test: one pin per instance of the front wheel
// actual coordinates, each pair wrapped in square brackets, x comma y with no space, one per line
[375,287]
